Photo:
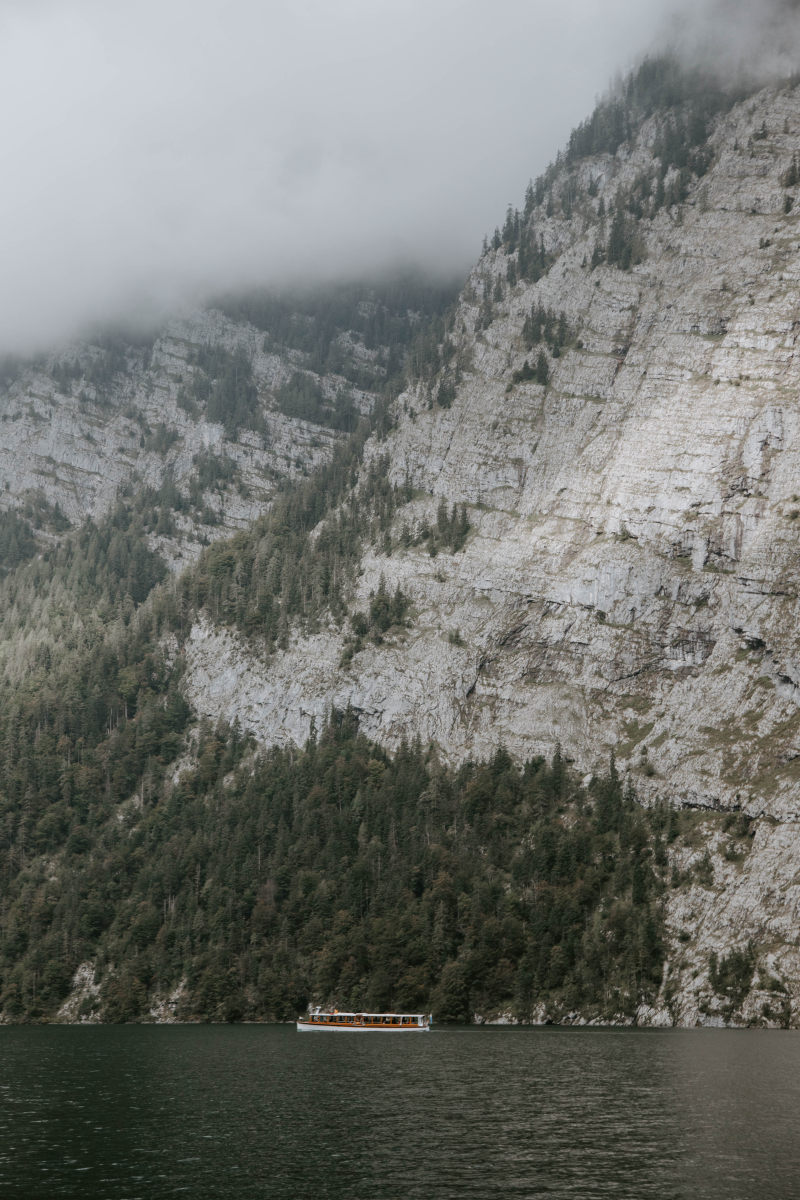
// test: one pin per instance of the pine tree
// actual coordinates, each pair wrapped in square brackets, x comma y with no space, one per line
[542,369]
[618,249]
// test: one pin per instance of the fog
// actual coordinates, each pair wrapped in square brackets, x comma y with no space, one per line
[156,153]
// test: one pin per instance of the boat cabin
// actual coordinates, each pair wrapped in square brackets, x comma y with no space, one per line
[363,1021]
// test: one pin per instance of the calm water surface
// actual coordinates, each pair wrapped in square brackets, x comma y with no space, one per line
[252,1111]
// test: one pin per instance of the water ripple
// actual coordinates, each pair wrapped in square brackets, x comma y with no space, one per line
[241,1112]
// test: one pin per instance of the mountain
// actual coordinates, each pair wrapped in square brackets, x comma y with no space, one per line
[206,415]
[631,560]
[122,456]
[571,538]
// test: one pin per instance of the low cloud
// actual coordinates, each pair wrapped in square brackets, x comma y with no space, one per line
[158,152]
[741,40]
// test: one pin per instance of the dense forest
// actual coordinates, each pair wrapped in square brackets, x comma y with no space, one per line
[264,881]
[252,883]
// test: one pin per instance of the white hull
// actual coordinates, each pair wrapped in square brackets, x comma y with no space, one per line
[307,1027]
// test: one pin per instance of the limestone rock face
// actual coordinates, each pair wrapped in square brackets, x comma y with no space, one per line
[79,442]
[629,583]
[630,580]
[742,899]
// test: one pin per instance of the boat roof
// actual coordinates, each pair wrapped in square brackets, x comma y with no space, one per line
[338,1012]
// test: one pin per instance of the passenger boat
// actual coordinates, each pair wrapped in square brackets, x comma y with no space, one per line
[347,1022]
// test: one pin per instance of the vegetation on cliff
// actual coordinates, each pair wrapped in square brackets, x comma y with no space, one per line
[251,884]
[179,860]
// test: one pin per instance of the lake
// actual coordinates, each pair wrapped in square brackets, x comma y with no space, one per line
[235,1112]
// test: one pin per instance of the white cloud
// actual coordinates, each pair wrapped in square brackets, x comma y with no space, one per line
[154,151]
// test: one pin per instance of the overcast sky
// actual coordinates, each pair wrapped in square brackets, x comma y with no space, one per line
[156,151]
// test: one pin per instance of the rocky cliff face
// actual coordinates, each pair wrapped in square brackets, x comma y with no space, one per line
[90,423]
[630,580]
[615,406]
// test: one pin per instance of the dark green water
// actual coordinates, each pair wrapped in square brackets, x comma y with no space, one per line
[239,1112]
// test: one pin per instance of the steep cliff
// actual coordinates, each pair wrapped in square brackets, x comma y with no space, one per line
[96,419]
[580,531]
[629,582]
[622,423]
[201,419]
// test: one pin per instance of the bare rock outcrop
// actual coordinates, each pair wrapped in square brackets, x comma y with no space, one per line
[630,580]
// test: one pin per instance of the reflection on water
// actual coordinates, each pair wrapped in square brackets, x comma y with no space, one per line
[258,1111]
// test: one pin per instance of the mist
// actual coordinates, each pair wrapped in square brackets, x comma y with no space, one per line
[157,153]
